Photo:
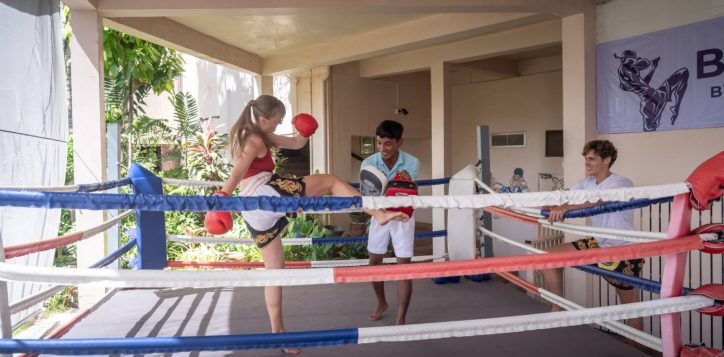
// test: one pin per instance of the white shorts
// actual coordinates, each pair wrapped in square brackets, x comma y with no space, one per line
[266,225]
[401,233]
[259,219]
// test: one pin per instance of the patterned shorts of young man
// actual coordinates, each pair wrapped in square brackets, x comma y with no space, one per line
[630,267]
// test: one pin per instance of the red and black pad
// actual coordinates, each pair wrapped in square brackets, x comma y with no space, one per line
[401,185]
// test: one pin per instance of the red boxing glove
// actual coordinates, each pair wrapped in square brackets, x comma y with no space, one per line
[218,222]
[707,182]
[305,124]
[401,185]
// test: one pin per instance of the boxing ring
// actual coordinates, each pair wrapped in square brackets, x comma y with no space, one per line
[149,204]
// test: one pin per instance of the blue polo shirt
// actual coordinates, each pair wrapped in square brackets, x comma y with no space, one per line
[405,162]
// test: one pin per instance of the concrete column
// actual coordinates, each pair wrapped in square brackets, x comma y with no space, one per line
[440,141]
[267,85]
[579,113]
[89,131]
[310,96]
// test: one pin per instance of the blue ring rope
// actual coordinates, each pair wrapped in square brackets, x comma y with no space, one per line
[141,345]
[102,186]
[610,207]
[635,281]
[420,183]
[157,202]
[115,255]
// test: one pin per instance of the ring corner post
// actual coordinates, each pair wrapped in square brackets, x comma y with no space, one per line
[485,176]
[6,329]
[150,225]
[672,280]
[461,221]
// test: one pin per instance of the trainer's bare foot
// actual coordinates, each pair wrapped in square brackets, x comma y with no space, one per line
[556,308]
[291,351]
[383,216]
[400,321]
[378,312]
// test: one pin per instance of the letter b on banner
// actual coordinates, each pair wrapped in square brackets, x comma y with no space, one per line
[702,64]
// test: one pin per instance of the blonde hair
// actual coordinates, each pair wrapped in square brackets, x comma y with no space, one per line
[248,123]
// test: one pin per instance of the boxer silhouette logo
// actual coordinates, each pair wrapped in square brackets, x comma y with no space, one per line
[653,100]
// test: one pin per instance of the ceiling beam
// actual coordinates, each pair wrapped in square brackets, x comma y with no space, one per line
[506,42]
[427,31]
[82,4]
[499,67]
[173,35]
[559,8]
[171,8]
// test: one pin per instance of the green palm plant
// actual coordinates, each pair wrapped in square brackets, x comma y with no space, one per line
[186,116]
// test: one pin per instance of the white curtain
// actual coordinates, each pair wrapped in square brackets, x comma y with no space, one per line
[33,123]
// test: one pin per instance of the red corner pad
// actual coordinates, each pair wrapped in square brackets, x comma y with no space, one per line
[715,247]
[716,292]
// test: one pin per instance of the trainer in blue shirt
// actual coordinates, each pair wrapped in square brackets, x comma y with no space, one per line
[390,161]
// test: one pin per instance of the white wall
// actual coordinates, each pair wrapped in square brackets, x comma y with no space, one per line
[218,90]
[623,18]
[530,104]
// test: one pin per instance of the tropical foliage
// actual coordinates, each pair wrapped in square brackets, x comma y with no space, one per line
[133,68]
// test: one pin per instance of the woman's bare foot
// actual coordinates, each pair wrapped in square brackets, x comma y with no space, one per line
[400,321]
[383,216]
[291,351]
[378,312]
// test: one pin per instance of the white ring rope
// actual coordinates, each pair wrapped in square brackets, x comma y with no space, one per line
[509,324]
[510,241]
[71,188]
[708,236]
[526,199]
[231,240]
[90,232]
[178,182]
[238,240]
[612,233]
[626,235]
[535,212]
[615,326]
[29,301]
[166,278]
[598,232]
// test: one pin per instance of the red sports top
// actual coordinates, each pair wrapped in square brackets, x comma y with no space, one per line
[264,164]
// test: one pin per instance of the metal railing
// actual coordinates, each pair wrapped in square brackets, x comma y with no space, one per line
[702,268]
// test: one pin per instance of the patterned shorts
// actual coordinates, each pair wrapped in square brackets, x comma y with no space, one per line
[265,225]
[631,267]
